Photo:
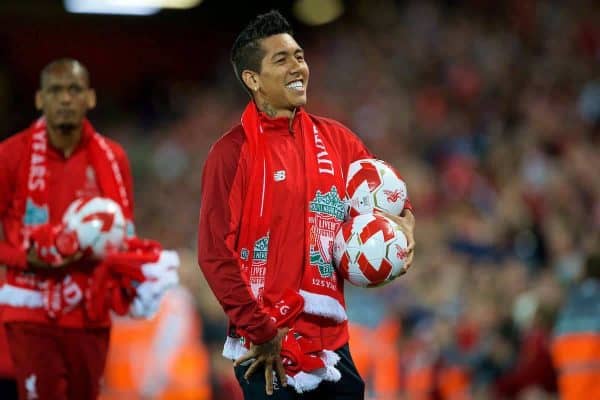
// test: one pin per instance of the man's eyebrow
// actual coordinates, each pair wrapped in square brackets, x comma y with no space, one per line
[53,85]
[65,84]
[285,53]
[279,54]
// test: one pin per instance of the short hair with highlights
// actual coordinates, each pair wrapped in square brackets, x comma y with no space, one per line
[247,53]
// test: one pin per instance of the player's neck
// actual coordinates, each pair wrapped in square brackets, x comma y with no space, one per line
[273,112]
[65,138]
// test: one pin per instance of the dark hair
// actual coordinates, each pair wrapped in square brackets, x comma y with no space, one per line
[246,52]
[62,63]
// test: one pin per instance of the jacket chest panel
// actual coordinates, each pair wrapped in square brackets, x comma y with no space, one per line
[288,173]
[70,179]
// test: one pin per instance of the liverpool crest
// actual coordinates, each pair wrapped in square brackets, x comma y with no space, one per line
[34,214]
[258,269]
[328,212]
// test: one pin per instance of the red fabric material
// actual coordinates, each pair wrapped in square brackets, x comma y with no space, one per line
[13,256]
[67,179]
[323,173]
[222,194]
[224,185]
[295,349]
[258,205]
[285,312]
[7,369]
[35,171]
[37,191]
[296,354]
[52,244]
[57,363]
[114,281]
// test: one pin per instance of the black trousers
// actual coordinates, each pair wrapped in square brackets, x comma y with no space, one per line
[349,387]
[8,389]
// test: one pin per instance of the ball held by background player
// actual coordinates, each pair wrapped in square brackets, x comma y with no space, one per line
[99,224]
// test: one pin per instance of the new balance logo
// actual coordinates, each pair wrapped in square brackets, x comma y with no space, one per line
[30,387]
[279,175]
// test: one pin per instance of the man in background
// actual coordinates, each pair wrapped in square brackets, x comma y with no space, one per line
[58,349]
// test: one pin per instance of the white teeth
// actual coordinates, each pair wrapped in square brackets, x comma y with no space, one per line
[297,85]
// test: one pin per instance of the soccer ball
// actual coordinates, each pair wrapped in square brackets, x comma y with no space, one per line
[98,223]
[374,184]
[370,250]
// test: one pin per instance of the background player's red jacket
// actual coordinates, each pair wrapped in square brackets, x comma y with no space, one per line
[69,179]
[6,366]
[224,179]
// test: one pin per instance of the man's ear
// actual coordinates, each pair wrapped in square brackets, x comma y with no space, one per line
[38,100]
[251,80]
[91,99]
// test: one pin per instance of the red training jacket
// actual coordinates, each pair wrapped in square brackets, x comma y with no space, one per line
[70,178]
[6,366]
[224,181]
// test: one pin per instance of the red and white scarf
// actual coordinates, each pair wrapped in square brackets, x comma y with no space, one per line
[325,211]
[305,368]
[32,201]
[133,280]
[33,195]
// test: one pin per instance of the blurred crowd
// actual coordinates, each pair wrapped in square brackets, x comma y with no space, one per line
[491,112]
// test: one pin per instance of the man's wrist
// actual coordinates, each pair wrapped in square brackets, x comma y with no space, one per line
[266,333]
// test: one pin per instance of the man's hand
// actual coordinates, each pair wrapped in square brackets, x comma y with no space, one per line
[406,222]
[34,261]
[269,354]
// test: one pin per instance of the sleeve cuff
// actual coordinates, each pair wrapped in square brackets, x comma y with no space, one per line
[12,257]
[408,206]
[21,260]
[264,334]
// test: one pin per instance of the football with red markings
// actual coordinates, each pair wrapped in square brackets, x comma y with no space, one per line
[99,224]
[370,250]
[374,185]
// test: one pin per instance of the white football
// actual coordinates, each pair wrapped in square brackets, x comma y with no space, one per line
[370,250]
[374,185]
[99,224]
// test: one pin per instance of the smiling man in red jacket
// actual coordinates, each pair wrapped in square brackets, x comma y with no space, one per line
[58,350]
[272,192]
